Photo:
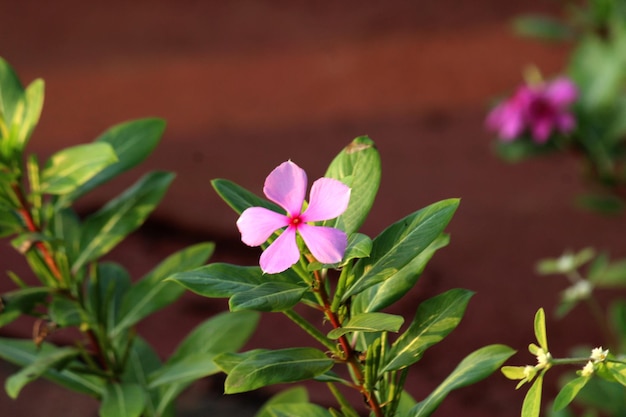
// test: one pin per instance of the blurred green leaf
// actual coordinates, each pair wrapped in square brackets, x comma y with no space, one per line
[132,142]
[358,166]
[543,27]
[33,103]
[400,243]
[121,216]
[152,292]
[297,409]
[11,91]
[65,312]
[52,358]
[601,203]
[540,329]
[435,319]
[569,392]
[21,301]
[475,367]
[122,399]
[288,396]
[239,199]
[277,366]
[369,322]
[66,170]
[269,296]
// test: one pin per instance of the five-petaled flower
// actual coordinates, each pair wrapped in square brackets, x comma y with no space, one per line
[539,108]
[286,186]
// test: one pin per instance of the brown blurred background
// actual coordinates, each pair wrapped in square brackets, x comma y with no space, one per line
[245,85]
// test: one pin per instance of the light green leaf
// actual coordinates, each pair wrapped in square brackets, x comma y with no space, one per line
[186,370]
[288,396]
[269,296]
[434,320]
[132,142]
[33,98]
[228,360]
[277,366]
[152,293]
[300,409]
[43,361]
[617,370]
[540,329]
[475,367]
[369,322]
[358,166]
[122,215]
[532,401]
[24,353]
[66,170]
[569,392]
[122,399]
[400,243]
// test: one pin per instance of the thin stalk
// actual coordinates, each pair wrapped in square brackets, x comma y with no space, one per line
[341,399]
[311,330]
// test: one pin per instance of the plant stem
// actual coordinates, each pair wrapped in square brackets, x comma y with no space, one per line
[310,329]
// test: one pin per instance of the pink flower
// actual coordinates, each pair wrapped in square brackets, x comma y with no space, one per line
[540,109]
[286,186]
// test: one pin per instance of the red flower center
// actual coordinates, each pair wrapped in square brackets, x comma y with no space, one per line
[295,221]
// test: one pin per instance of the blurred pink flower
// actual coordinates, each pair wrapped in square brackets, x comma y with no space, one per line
[540,109]
[286,186]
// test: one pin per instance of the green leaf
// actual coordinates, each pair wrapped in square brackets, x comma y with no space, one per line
[369,322]
[105,290]
[66,170]
[540,329]
[617,371]
[33,99]
[21,301]
[358,166]
[39,365]
[475,367]
[132,142]
[228,360]
[532,401]
[142,361]
[269,296]
[384,294]
[152,292]
[186,370]
[11,91]
[569,392]
[274,367]
[122,399]
[542,27]
[9,223]
[65,312]
[288,396]
[239,199]
[400,243]
[25,352]
[434,320]
[298,409]
[122,215]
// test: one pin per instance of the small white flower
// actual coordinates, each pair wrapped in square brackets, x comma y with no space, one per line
[543,358]
[581,290]
[598,355]
[529,372]
[587,369]
[565,263]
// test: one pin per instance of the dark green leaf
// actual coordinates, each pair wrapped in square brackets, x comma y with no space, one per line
[21,301]
[65,312]
[122,399]
[228,360]
[475,367]
[288,396]
[358,166]
[434,320]
[400,243]
[269,296]
[11,91]
[66,170]
[122,215]
[152,293]
[297,409]
[278,366]
[239,199]
[369,322]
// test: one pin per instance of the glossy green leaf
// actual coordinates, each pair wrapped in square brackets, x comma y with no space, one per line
[25,352]
[540,329]
[569,392]
[434,320]
[132,142]
[475,367]
[384,294]
[41,362]
[358,166]
[152,292]
[301,409]
[122,399]
[269,296]
[66,170]
[369,322]
[277,366]
[288,396]
[121,216]
[239,199]
[400,243]
[227,361]
[531,407]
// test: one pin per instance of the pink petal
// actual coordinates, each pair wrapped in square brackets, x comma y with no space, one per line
[256,225]
[286,186]
[561,91]
[329,199]
[327,244]
[541,130]
[281,254]
[565,122]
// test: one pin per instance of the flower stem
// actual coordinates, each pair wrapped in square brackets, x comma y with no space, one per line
[310,329]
